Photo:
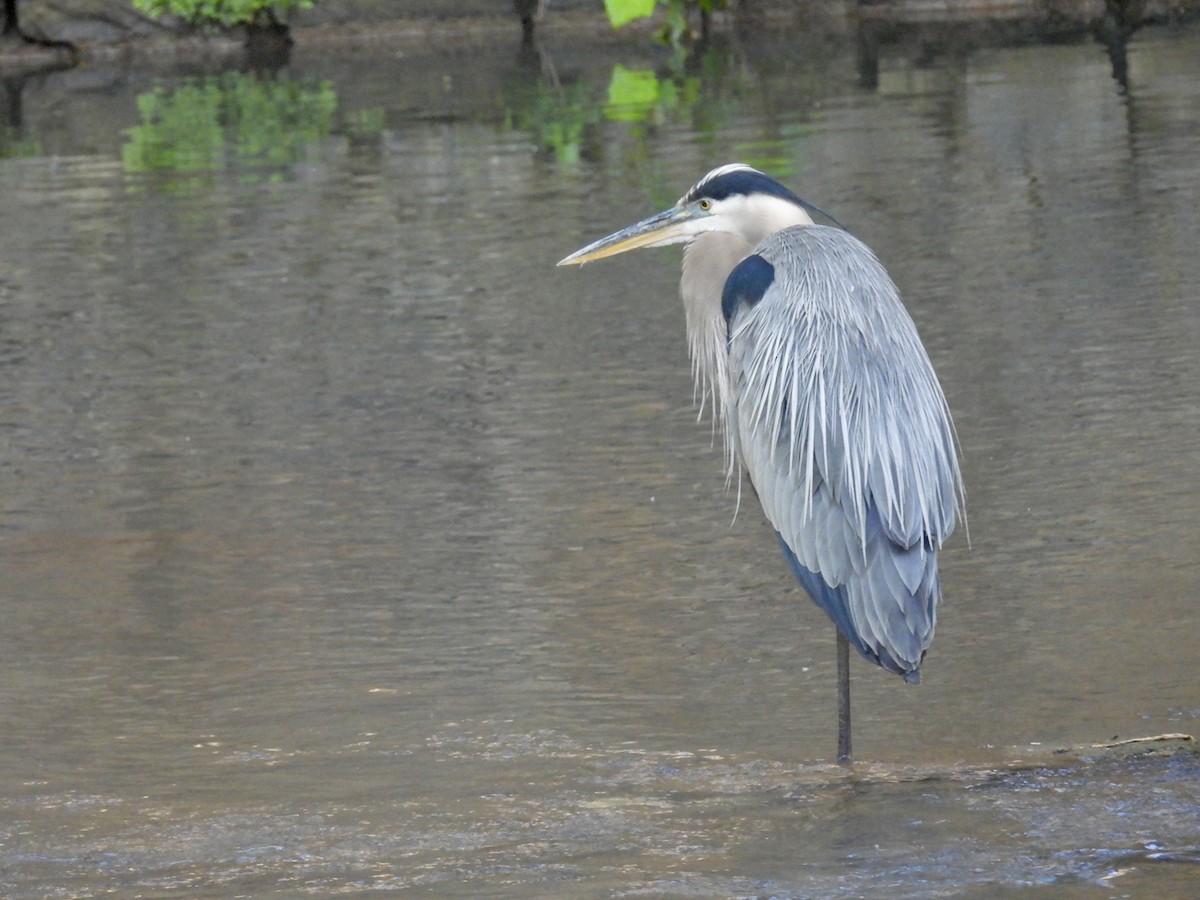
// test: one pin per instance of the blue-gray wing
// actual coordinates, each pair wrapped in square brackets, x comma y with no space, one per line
[842,426]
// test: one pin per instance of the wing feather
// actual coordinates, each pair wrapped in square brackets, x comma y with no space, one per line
[844,430]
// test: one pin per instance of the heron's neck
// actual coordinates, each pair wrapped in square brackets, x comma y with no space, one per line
[707,262]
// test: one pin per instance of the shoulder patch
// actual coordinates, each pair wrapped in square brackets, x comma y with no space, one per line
[746,284]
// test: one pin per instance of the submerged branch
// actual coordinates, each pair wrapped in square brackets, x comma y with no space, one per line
[1147,740]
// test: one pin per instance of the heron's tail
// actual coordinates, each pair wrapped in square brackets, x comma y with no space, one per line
[835,603]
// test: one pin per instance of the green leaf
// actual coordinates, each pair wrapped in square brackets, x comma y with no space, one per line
[622,11]
[222,12]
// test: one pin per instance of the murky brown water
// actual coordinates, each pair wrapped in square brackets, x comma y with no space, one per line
[347,544]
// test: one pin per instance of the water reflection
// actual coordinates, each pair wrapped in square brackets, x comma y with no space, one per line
[257,126]
[347,544]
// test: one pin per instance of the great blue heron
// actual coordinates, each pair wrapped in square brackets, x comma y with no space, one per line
[828,400]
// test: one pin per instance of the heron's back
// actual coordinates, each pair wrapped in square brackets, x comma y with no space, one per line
[839,419]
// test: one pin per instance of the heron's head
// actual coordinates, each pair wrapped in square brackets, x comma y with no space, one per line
[733,199]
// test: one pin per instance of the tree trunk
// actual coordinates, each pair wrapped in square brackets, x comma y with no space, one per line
[12,24]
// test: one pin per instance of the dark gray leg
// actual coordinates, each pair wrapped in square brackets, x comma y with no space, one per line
[843,675]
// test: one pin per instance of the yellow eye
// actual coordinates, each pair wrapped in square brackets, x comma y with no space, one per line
[705,205]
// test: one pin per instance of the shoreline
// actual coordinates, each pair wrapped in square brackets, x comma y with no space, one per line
[971,23]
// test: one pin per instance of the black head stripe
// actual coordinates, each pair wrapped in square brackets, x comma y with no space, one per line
[746,182]
[740,181]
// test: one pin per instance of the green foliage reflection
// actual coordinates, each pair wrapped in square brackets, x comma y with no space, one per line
[255,127]
[639,95]
[556,115]
[632,94]
[565,118]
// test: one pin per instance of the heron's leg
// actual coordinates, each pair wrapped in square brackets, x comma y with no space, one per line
[843,676]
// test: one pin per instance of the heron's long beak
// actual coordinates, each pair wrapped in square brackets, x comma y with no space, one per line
[660,229]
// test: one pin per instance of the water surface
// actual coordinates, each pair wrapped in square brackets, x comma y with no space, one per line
[348,544]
